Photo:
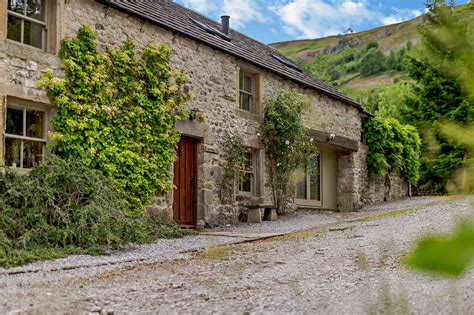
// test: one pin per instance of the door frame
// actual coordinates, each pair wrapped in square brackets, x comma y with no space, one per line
[195,142]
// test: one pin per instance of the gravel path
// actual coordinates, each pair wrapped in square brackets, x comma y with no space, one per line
[344,268]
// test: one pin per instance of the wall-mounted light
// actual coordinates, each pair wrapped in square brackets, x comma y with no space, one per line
[332,136]
[194,113]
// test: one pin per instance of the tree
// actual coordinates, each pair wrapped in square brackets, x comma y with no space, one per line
[372,61]
[439,95]
[391,61]
[391,100]
[450,50]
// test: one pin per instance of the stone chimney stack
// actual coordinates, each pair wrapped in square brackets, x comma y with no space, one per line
[225,24]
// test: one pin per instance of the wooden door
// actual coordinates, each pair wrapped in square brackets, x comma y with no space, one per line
[184,197]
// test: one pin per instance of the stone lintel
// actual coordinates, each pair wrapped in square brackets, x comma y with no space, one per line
[191,128]
[339,142]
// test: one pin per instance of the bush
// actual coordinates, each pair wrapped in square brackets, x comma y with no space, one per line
[393,147]
[62,207]
[286,144]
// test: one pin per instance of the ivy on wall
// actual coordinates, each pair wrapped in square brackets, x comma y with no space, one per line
[233,169]
[116,111]
[393,147]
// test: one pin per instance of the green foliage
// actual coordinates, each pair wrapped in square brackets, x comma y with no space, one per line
[285,142]
[450,50]
[116,112]
[445,255]
[235,163]
[439,95]
[372,62]
[389,100]
[351,63]
[63,207]
[393,147]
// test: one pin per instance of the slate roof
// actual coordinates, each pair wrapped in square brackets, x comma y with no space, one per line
[176,18]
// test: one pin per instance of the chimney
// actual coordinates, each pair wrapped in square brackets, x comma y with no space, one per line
[225,24]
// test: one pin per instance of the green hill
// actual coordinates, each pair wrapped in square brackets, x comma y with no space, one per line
[360,63]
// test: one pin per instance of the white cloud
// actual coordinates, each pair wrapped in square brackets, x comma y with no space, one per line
[203,6]
[400,15]
[241,12]
[318,18]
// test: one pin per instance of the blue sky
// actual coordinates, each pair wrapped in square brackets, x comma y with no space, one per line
[280,20]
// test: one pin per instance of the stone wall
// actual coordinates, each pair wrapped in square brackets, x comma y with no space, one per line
[379,189]
[213,81]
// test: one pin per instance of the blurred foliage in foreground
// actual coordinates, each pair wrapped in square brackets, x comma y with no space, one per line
[450,48]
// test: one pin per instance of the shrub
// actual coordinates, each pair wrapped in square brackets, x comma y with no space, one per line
[285,142]
[393,147]
[63,207]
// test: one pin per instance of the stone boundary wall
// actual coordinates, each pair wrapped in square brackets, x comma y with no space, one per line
[379,189]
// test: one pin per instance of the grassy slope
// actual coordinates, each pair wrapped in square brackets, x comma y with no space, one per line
[390,38]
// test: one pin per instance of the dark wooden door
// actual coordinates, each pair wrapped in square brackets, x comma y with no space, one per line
[184,197]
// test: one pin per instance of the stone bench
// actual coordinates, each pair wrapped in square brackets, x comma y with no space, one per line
[254,213]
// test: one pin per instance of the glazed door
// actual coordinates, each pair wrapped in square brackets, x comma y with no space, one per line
[184,197]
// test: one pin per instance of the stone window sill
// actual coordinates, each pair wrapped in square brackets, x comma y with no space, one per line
[248,115]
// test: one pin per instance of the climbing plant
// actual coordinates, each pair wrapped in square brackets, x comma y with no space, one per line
[116,110]
[393,147]
[285,142]
[233,169]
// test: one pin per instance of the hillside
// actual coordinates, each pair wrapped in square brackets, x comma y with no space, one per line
[360,63]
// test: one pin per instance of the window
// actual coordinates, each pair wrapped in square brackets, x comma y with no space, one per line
[247,92]
[25,136]
[286,62]
[27,22]
[308,188]
[210,29]
[248,184]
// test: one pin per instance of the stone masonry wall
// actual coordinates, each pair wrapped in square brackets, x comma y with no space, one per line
[213,81]
[376,189]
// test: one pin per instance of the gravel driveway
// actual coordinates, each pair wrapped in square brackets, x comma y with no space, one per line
[335,268]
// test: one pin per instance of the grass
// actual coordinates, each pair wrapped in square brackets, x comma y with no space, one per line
[384,215]
[220,252]
[294,236]
[361,261]
[23,256]
[389,302]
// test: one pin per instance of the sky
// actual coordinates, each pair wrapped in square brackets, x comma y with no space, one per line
[271,21]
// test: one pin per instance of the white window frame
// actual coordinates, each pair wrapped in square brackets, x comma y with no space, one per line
[307,173]
[24,137]
[251,93]
[253,172]
[23,17]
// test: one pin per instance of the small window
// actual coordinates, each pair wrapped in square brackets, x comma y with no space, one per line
[308,187]
[210,29]
[25,136]
[247,92]
[248,184]
[286,62]
[27,22]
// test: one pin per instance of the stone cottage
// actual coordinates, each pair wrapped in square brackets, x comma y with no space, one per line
[230,76]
